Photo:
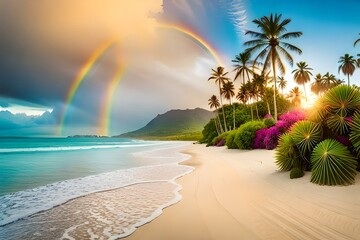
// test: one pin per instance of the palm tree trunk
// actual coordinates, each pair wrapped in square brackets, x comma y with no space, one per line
[233,113]
[305,92]
[257,110]
[349,80]
[222,108]
[252,114]
[217,127]
[274,72]
[218,118]
[268,106]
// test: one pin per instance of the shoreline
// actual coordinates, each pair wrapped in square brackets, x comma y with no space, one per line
[235,194]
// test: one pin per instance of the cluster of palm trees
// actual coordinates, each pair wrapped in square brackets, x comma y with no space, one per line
[271,48]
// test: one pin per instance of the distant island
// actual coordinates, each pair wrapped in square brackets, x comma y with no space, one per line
[174,125]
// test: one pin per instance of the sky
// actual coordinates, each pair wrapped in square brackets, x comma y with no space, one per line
[136,59]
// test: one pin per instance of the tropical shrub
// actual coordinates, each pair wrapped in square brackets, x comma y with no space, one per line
[219,141]
[258,142]
[288,119]
[269,122]
[296,173]
[271,138]
[287,154]
[306,135]
[246,134]
[332,164]
[230,140]
[209,132]
[355,133]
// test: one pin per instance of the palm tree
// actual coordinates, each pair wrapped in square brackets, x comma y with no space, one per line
[220,78]
[347,65]
[317,86]
[328,81]
[228,90]
[295,96]
[282,84]
[244,67]
[271,46]
[214,103]
[257,89]
[302,74]
[244,96]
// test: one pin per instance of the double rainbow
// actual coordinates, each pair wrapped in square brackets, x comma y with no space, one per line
[105,114]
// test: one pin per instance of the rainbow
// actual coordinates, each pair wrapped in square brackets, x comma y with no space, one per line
[105,114]
[199,40]
[80,76]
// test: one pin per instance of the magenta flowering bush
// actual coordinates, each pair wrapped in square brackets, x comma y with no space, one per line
[267,116]
[344,140]
[258,142]
[271,137]
[267,138]
[220,143]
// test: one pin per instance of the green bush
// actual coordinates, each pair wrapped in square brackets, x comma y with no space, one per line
[269,122]
[217,139]
[332,164]
[296,173]
[230,143]
[209,132]
[246,133]
[286,154]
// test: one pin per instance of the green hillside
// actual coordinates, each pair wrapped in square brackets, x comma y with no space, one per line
[174,125]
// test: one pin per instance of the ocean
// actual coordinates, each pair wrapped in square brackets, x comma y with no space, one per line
[47,178]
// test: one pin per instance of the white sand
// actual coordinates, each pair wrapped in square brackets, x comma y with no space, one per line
[236,194]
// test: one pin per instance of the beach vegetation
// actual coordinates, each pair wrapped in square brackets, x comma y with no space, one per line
[296,173]
[219,76]
[287,155]
[332,164]
[270,44]
[229,142]
[302,74]
[246,133]
[347,66]
[269,122]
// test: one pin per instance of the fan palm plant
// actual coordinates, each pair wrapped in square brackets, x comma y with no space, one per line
[287,154]
[214,103]
[306,135]
[271,45]
[347,66]
[228,91]
[355,133]
[302,74]
[332,164]
[219,76]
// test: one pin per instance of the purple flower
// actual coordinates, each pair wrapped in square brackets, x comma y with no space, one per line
[348,119]
[268,116]
[258,142]
[220,143]
[343,140]
[271,137]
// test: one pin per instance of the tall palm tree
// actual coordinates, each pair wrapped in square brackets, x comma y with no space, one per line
[295,96]
[219,76]
[257,89]
[302,74]
[270,44]
[328,81]
[347,65]
[244,96]
[282,84]
[244,66]
[228,91]
[214,103]
[317,86]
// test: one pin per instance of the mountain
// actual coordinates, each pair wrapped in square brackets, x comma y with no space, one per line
[174,125]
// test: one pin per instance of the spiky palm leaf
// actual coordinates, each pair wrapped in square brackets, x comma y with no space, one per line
[338,123]
[306,135]
[286,153]
[355,132]
[342,100]
[332,164]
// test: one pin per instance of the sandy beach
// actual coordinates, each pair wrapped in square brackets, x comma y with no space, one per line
[236,194]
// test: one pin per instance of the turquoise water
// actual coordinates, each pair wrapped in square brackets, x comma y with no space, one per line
[26,163]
